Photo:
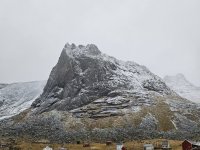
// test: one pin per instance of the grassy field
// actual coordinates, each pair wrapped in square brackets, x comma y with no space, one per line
[134,145]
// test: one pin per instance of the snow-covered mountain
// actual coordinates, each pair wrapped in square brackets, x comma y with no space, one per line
[89,83]
[16,97]
[91,91]
[183,87]
[85,83]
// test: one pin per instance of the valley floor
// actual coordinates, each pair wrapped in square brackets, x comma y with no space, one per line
[134,145]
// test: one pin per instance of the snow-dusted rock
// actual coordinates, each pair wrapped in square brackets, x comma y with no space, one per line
[84,75]
[149,122]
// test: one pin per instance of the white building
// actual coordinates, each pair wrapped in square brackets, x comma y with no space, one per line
[47,148]
[119,146]
[148,147]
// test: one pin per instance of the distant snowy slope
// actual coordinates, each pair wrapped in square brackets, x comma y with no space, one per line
[16,97]
[183,87]
[2,85]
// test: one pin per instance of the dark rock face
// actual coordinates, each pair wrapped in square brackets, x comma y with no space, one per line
[83,74]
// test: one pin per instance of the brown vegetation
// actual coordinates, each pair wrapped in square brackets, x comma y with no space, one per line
[134,145]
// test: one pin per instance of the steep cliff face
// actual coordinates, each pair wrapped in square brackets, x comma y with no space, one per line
[183,87]
[84,76]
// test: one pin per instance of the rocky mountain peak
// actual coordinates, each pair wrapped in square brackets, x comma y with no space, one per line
[83,75]
[77,51]
[72,46]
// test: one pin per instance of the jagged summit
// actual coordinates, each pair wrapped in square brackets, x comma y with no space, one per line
[73,50]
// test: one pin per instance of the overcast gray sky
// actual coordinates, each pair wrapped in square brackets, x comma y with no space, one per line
[163,35]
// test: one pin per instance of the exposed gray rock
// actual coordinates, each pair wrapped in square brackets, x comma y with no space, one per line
[83,75]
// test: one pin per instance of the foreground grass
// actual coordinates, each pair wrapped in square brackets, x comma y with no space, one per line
[134,145]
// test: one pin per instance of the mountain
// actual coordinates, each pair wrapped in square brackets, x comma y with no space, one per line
[92,96]
[84,77]
[17,97]
[2,85]
[183,87]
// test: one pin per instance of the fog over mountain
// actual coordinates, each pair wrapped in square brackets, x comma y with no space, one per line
[162,35]
[183,87]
